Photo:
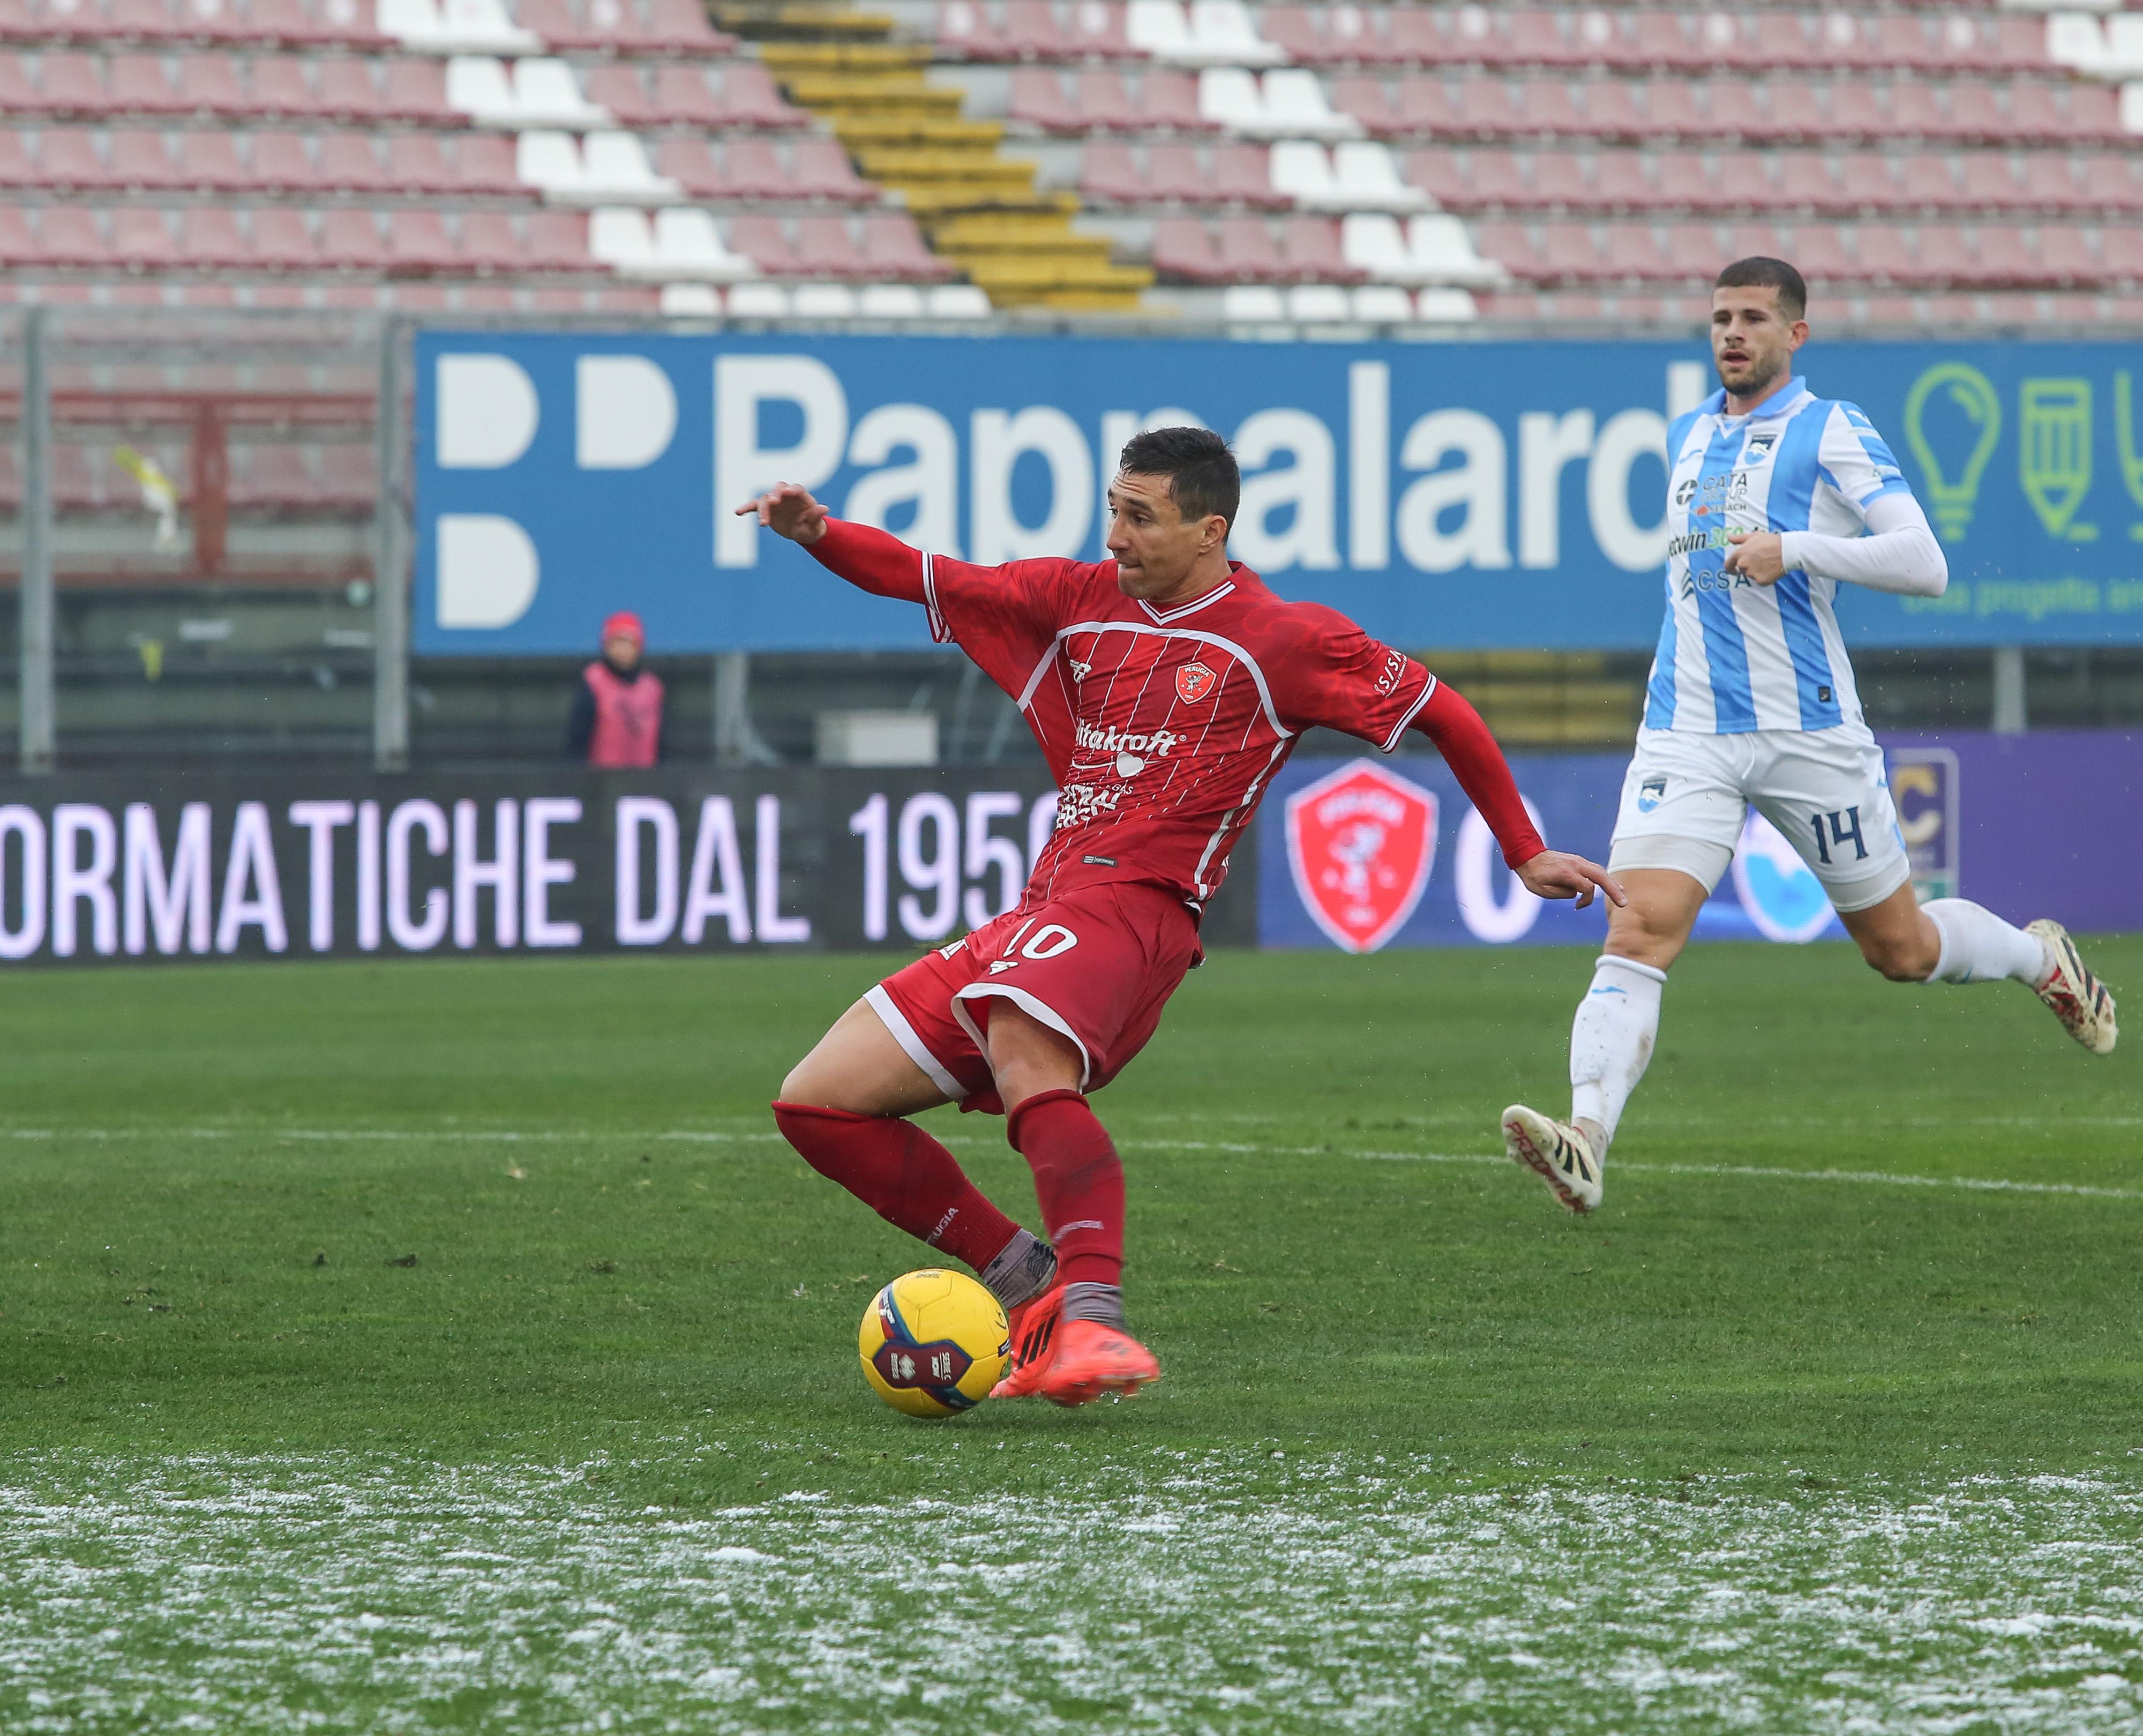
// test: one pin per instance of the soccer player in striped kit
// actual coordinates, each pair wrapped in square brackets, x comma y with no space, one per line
[1165,686]
[1775,497]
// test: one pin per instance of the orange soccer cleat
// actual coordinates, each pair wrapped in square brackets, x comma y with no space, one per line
[1092,1359]
[1032,1337]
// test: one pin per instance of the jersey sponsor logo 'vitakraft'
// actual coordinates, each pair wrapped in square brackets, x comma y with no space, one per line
[1360,844]
[1193,681]
[1133,748]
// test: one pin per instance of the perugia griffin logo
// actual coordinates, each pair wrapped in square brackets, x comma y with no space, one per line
[1361,842]
[1193,682]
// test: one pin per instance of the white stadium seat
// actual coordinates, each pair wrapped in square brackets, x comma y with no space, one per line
[479,87]
[890,301]
[759,301]
[1319,304]
[620,238]
[957,301]
[823,301]
[547,93]
[688,244]
[692,301]
[1253,302]
[1448,307]
[615,169]
[1382,305]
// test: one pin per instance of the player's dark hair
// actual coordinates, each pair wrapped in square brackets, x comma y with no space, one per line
[1758,273]
[1201,473]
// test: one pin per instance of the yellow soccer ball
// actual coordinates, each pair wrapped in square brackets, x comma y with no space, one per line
[934,1342]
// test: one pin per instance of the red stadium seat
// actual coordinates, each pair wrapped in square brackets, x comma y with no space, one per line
[1311,245]
[1614,110]
[349,163]
[823,247]
[1425,104]
[17,247]
[142,239]
[283,87]
[350,240]
[1370,102]
[1167,99]
[480,164]
[1110,175]
[1633,251]
[1930,182]
[2120,252]
[1686,180]
[1037,99]
[1559,180]
[2004,253]
[16,168]
[209,84]
[623,91]
[681,27]
[489,243]
[1698,242]
[415,90]
[416,163]
[692,164]
[1513,246]
[1490,108]
[1569,253]
[71,84]
[282,240]
[418,244]
[553,241]
[2110,184]
[140,85]
[1881,255]
[1820,253]
[209,240]
[749,97]
[208,161]
[765,243]
[70,237]
[1183,252]
[1936,112]
[281,163]
[1445,178]
[1246,253]
[1660,42]
[69,159]
[755,169]
[1239,174]
[1623,182]
[820,168]
[893,247]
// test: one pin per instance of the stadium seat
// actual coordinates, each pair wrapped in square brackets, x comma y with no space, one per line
[893,247]
[2110,184]
[823,301]
[555,241]
[820,168]
[1234,173]
[281,163]
[1311,245]
[1371,102]
[142,239]
[687,244]
[965,28]
[1183,251]
[764,242]
[615,169]
[140,85]
[693,164]
[208,162]
[350,240]
[69,235]
[891,301]
[621,90]
[1245,252]
[1110,175]
[349,162]
[282,88]
[823,247]
[488,244]
[622,237]
[1037,99]
[419,245]
[748,98]
[684,97]
[1621,182]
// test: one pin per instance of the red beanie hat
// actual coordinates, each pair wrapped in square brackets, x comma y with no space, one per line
[625,624]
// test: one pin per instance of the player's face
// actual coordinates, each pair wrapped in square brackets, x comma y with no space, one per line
[1155,546]
[1752,341]
[622,652]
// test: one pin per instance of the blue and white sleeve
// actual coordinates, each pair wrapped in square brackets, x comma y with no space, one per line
[1856,461]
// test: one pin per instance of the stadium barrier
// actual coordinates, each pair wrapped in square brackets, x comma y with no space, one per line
[119,867]
[1357,853]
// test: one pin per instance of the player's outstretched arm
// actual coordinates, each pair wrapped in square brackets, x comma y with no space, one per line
[1478,763]
[868,558]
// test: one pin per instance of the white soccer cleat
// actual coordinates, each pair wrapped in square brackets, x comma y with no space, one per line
[1555,1151]
[2079,1000]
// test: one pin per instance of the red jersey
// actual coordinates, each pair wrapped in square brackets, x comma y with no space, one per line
[1162,727]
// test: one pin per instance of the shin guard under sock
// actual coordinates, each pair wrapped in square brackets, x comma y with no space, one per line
[1079,1181]
[903,1175]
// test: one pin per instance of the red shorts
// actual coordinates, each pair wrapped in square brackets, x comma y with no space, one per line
[1097,964]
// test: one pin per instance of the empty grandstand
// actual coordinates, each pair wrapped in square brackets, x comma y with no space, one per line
[1381,164]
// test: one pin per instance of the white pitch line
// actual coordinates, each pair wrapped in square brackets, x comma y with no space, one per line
[708,1137]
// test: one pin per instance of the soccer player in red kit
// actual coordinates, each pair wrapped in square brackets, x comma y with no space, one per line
[1166,686]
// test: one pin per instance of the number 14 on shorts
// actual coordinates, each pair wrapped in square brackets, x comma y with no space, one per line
[1844,829]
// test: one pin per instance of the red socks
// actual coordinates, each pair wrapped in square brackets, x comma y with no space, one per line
[904,1175]
[1079,1180]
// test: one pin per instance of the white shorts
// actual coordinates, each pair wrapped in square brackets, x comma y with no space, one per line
[1687,796]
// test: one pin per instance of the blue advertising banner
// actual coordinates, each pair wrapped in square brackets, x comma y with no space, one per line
[1447,496]
[1365,854]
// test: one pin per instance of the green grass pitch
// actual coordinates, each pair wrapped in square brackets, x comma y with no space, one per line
[453,1347]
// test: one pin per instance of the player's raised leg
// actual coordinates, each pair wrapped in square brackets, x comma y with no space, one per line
[842,1108]
[1954,940]
[1079,1182]
[1611,1036]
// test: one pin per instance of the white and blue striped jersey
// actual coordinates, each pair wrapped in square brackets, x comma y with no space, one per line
[1736,655]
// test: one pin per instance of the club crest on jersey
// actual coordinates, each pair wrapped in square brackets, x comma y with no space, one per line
[1193,681]
[1360,843]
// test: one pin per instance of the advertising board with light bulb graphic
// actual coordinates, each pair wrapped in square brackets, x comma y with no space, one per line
[1463,495]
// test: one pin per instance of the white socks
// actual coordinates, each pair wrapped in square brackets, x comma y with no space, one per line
[1610,1041]
[1978,946]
